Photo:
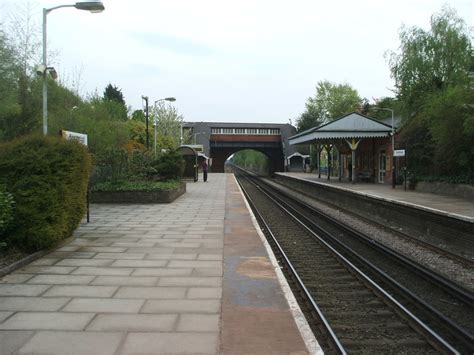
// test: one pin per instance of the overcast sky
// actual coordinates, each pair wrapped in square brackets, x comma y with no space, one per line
[229,60]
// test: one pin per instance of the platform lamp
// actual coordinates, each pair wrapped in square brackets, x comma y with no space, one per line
[393,143]
[170,99]
[91,6]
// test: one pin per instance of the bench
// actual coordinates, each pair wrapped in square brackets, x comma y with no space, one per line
[364,176]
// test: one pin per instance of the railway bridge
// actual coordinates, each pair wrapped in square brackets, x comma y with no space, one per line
[219,140]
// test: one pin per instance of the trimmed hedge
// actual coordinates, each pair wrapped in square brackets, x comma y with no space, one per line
[144,186]
[48,178]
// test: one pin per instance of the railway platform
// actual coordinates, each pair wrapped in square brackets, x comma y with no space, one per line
[190,277]
[452,206]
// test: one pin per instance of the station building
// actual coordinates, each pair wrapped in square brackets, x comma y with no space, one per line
[356,147]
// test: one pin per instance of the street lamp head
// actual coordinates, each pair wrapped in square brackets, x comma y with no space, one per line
[92,6]
[171,99]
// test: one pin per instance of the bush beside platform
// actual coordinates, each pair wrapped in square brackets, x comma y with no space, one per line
[144,195]
[48,179]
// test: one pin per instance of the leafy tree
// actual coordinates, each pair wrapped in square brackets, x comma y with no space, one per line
[139,115]
[9,71]
[137,131]
[25,33]
[450,131]
[251,159]
[433,81]
[430,61]
[113,99]
[330,102]
[308,119]
[168,127]
[113,93]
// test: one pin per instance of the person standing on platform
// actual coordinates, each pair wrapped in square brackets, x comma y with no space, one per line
[204,170]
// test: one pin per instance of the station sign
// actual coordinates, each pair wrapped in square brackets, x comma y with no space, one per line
[80,137]
[399,153]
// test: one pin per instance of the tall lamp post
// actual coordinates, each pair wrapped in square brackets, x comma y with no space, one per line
[92,6]
[145,98]
[393,144]
[170,99]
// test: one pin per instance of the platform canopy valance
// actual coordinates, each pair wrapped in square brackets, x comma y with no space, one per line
[353,125]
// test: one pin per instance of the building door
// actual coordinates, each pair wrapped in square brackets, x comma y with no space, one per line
[382,166]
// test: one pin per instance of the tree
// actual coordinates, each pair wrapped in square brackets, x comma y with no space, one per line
[330,102]
[251,159]
[433,81]
[168,127]
[115,102]
[430,61]
[113,93]
[9,71]
[25,35]
[138,115]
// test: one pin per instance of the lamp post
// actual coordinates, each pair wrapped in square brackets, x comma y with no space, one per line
[195,135]
[170,99]
[393,144]
[92,6]
[145,98]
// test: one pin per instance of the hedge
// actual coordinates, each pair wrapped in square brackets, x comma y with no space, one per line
[7,204]
[48,178]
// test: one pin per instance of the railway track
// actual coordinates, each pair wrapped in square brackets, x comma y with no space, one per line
[354,306]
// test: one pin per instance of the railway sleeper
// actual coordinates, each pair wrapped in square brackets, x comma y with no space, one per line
[370,304]
[387,345]
[393,326]
[383,316]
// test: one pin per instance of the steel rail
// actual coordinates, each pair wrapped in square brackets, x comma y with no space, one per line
[430,335]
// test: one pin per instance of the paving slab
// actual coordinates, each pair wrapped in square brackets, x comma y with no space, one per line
[181,306]
[134,322]
[17,304]
[151,292]
[10,341]
[72,343]
[103,305]
[172,343]
[47,321]
[80,291]
[22,290]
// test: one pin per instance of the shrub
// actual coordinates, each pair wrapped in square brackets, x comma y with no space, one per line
[48,178]
[146,185]
[169,165]
[119,165]
[7,204]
